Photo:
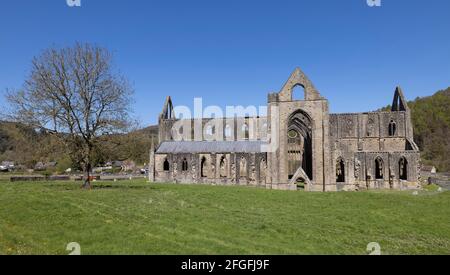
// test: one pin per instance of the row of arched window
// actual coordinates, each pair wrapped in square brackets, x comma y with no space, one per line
[204,166]
[402,168]
[184,165]
[223,167]
[379,169]
[392,128]
[228,132]
[211,130]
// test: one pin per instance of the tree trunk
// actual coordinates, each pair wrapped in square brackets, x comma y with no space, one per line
[87,175]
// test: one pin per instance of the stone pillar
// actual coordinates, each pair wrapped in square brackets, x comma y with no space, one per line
[151,164]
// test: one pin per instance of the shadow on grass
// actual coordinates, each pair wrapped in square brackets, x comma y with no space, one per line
[75,186]
[118,186]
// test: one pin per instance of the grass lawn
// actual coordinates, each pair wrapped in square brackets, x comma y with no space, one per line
[141,218]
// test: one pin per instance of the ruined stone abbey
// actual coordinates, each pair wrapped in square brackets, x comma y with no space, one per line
[299,144]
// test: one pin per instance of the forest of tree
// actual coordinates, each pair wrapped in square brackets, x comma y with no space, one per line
[431,119]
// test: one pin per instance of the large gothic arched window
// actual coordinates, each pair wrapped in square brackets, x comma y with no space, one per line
[392,128]
[299,137]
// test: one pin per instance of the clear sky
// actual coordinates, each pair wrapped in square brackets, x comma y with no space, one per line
[233,52]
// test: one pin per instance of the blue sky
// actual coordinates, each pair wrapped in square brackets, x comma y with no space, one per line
[233,52]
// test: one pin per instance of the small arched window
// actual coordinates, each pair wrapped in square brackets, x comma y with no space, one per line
[184,165]
[166,165]
[392,128]
[223,167]
[379,169]
[403,169]
[340,170]
[203,167]
[245,131]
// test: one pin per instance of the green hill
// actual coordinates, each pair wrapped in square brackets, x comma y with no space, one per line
[431,119]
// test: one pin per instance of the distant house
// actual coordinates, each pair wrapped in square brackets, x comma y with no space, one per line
[128,166]
[6,166]
[110,165]
[102,169]
[116,164]
[427,172]
[41,166]
[428,169]
[8,163]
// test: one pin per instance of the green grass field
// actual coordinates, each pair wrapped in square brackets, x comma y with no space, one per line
[141,218]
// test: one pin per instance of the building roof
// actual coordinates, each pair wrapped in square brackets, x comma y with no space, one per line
[7,163]
[180,147]
[427,168]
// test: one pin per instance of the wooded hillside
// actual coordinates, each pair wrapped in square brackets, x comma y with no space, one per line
[431,119]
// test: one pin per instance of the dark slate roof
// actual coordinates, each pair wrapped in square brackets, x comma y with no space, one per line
[180,147]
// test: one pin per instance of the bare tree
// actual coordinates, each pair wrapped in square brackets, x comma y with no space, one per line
[75,94]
